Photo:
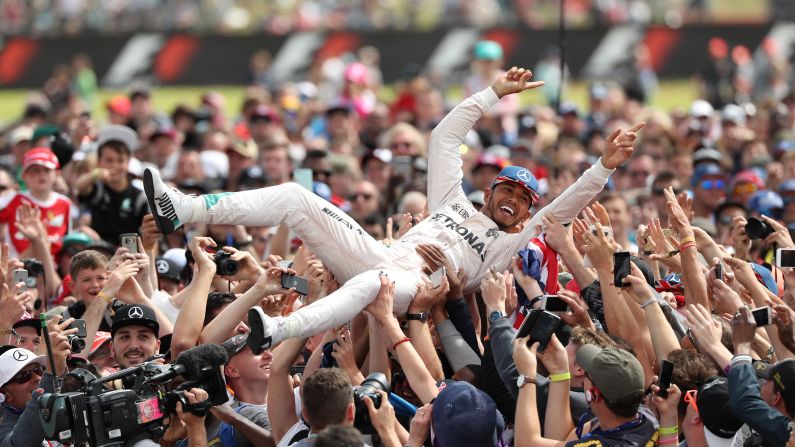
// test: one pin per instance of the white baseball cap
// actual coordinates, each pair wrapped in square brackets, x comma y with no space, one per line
[13,360]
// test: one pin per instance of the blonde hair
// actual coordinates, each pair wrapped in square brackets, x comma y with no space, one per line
[411,132]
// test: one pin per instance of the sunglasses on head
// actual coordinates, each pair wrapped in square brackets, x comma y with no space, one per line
[712,184]
[745,188]
[690,399]
[25,376]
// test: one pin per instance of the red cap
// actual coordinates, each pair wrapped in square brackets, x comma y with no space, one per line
[42,156]
[120,104]
[99,340]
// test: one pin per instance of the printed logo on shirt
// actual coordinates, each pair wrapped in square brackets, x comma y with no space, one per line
[470,237]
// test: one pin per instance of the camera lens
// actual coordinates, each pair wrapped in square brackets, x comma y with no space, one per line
[757,228]
[225,265]
[76,343]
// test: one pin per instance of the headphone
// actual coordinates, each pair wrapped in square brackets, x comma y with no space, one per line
[592,395]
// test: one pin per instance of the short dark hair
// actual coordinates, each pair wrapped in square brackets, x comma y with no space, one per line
[215,301]
[115,146]
[625,407]
[663,177]
[691,370]
[86,259]
[339,436]
[325,396]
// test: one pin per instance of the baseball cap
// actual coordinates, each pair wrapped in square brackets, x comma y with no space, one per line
[707,170]
[520,175]
[356,73]
[385,155]
[13,360]
[135,314]
[487,50]
[568,108]
[235,344]
[20,134]
[117,132]
[28,321]
[707,154]
[119,104]
[44,130]
[76,238]
[340,106]
[246,148]
[732,113]
[748,176]
[766,202]
[787,186]
[701,109]
[177,256]
[490,160]
[42,156]
[99,340]
[167,268]
[782,374]
[765,276]
[465,415]
[715,411]
[616,372]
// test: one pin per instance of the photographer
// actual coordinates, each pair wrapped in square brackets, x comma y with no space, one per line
[23,376]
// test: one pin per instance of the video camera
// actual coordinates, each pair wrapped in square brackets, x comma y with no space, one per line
[95,415]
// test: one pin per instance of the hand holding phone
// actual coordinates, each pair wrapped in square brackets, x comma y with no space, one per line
[20,276]
[299,283]
[763,316]
[785,257]
[719,271]
[666,372]
[553,303]
[129,241]
[621,268]
[437,277]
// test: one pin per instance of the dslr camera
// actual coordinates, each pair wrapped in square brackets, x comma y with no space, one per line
[374,382]
[225,265]
[757,228]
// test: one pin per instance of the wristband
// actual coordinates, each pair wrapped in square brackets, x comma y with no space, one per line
[669,430]
[648,302]
[105,297]
[673,440]
[686,245]
[687,239]
[404,340]
[560,377]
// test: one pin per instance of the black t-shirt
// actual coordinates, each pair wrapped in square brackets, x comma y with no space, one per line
[114,213]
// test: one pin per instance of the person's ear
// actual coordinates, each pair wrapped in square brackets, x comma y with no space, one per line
[350,413]
[486,195]
[777,399]
[578,372]
[231,371]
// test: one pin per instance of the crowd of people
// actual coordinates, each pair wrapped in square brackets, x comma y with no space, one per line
[73,17]
[404,274]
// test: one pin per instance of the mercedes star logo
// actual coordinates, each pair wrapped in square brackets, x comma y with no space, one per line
[524,175]
[135,312]
[20,355]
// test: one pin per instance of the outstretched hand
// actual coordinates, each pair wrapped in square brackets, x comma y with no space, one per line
[514,80]
[620,146]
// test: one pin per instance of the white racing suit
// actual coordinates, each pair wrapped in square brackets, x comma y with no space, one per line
[469,239]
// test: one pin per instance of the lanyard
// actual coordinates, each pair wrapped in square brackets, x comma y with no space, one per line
[625,426]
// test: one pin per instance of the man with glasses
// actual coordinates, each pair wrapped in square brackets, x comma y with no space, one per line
[709,187]
[365,200]
[21,373]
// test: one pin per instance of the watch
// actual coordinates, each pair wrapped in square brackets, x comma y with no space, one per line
[496,315]
[421,317]
[523,380]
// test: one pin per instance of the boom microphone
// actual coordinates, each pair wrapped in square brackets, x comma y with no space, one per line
[192,364]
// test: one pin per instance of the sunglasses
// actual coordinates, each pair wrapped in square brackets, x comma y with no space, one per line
[745,188]
[399,144]
[25,376]
[712,184]
[355,197]
[661,191]
[690,399]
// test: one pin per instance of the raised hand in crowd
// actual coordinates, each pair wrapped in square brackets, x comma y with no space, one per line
[706,333]
[13,304]
[515,80]
[620,146]
[343,353]
[578,310]
[493,290]
[150,235]
[740,240]
[663,250]
[780,236]
[58,329]
[420,428]
[784,319]
[193,423]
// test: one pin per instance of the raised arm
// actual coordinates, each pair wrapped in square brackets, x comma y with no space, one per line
[444,158]
[567,205]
